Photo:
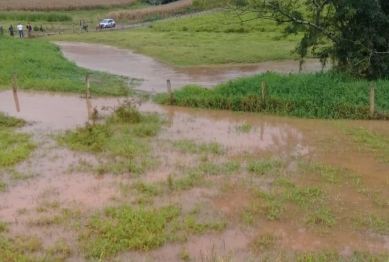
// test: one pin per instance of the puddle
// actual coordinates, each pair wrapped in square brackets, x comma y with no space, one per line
[320,140]
[126,63]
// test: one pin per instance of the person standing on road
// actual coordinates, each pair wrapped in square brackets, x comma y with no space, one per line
[20,28]
[11,31]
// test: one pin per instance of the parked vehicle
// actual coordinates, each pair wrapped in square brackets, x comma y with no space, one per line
[106,23]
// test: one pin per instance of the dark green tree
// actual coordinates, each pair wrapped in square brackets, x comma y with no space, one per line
[354,34]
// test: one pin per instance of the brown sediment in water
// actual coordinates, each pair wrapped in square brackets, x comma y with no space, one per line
[311,140]
[126,63]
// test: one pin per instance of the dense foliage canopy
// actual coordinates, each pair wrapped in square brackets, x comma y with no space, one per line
[353,33]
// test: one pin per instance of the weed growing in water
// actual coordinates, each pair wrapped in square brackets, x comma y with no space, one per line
[374,222]
[376,142]
[3,227]
[263,242]
[122,142]
[262,167]
[244,128]
[190,146]
[126,228]
[14,147]
[3,186]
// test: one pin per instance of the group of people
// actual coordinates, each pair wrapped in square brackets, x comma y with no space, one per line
[20,29]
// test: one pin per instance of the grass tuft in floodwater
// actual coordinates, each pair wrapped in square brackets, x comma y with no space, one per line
[14,147]
[126,228]
[122,142]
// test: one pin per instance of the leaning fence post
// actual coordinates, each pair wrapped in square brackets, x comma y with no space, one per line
[88,97]
[15,92]
[372,106]
[169,90]
[263,91]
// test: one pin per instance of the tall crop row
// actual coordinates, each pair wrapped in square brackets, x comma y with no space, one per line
[154,10]
[51,5]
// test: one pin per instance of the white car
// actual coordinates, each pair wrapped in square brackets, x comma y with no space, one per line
[107,23]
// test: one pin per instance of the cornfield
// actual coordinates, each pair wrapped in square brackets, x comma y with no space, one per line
[154,10]
[51,5]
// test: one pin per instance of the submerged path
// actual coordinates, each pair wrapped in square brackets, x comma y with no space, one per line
[124,62]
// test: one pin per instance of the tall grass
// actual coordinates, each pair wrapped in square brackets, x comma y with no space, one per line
[41,66]
[320,95]
[35,16]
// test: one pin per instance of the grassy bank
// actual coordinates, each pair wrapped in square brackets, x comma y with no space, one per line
[40,66]
[320,95]
[199,40]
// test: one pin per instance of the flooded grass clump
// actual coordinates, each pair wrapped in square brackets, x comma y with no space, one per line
[191,146]
[14,147]
[50,71]
[320,95]
[375,141]
[121,143]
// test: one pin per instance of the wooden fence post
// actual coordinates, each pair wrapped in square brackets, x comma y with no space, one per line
[88,97]
[15,92]
[169,90]
[73,28]
[263,91]
[372,106]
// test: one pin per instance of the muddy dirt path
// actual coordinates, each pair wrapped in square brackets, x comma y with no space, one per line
[124,62]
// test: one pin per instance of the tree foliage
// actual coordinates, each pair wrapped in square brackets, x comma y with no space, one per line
[353,33]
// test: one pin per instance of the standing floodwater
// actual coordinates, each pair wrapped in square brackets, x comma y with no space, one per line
[124,62]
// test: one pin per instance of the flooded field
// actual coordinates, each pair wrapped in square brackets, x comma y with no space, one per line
[124,62]
[239,186]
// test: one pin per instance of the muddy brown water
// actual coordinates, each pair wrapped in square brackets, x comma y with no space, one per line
[154,74]
[318,140]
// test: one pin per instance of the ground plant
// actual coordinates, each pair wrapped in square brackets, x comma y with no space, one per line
[320,95]
[39,65]
[14,147]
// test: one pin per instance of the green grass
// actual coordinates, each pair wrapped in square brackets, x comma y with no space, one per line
[176,48]
[320,95]
[310,201]
[376,142]
[40,66]
[190,146]
[14,146]
[262,167]
[122,142]
[126,228]
[217,22]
